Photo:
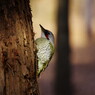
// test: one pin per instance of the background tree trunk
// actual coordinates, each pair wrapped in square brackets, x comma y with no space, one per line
[17,49]
[63,85]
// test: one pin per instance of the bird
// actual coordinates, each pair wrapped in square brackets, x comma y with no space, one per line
[45,49]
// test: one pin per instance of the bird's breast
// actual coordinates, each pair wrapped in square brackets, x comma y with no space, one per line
[44,50]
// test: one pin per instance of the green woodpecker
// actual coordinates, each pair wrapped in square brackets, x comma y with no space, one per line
[45,49]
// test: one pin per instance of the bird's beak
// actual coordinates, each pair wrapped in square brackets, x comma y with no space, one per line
[42,28]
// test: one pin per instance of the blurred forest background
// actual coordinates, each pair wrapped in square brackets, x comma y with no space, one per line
[81,21]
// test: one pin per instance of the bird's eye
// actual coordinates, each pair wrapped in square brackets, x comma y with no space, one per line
[47,33]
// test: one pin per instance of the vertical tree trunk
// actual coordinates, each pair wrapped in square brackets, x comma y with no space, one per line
[17,49]
[63,86]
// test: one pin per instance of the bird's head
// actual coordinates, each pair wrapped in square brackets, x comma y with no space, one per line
[47,34]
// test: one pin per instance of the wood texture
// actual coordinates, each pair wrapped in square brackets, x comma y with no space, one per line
[17,49]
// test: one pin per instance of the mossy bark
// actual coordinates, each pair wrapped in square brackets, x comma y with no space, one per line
[17,49]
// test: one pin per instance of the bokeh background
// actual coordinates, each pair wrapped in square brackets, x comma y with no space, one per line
[81,24]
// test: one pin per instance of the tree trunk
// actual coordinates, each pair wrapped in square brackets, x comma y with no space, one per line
[17,49]
[63,85]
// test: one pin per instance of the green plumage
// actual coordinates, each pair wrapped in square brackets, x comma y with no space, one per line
[45,51]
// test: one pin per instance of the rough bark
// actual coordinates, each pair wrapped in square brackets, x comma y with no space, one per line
[63,85]
[17,49]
